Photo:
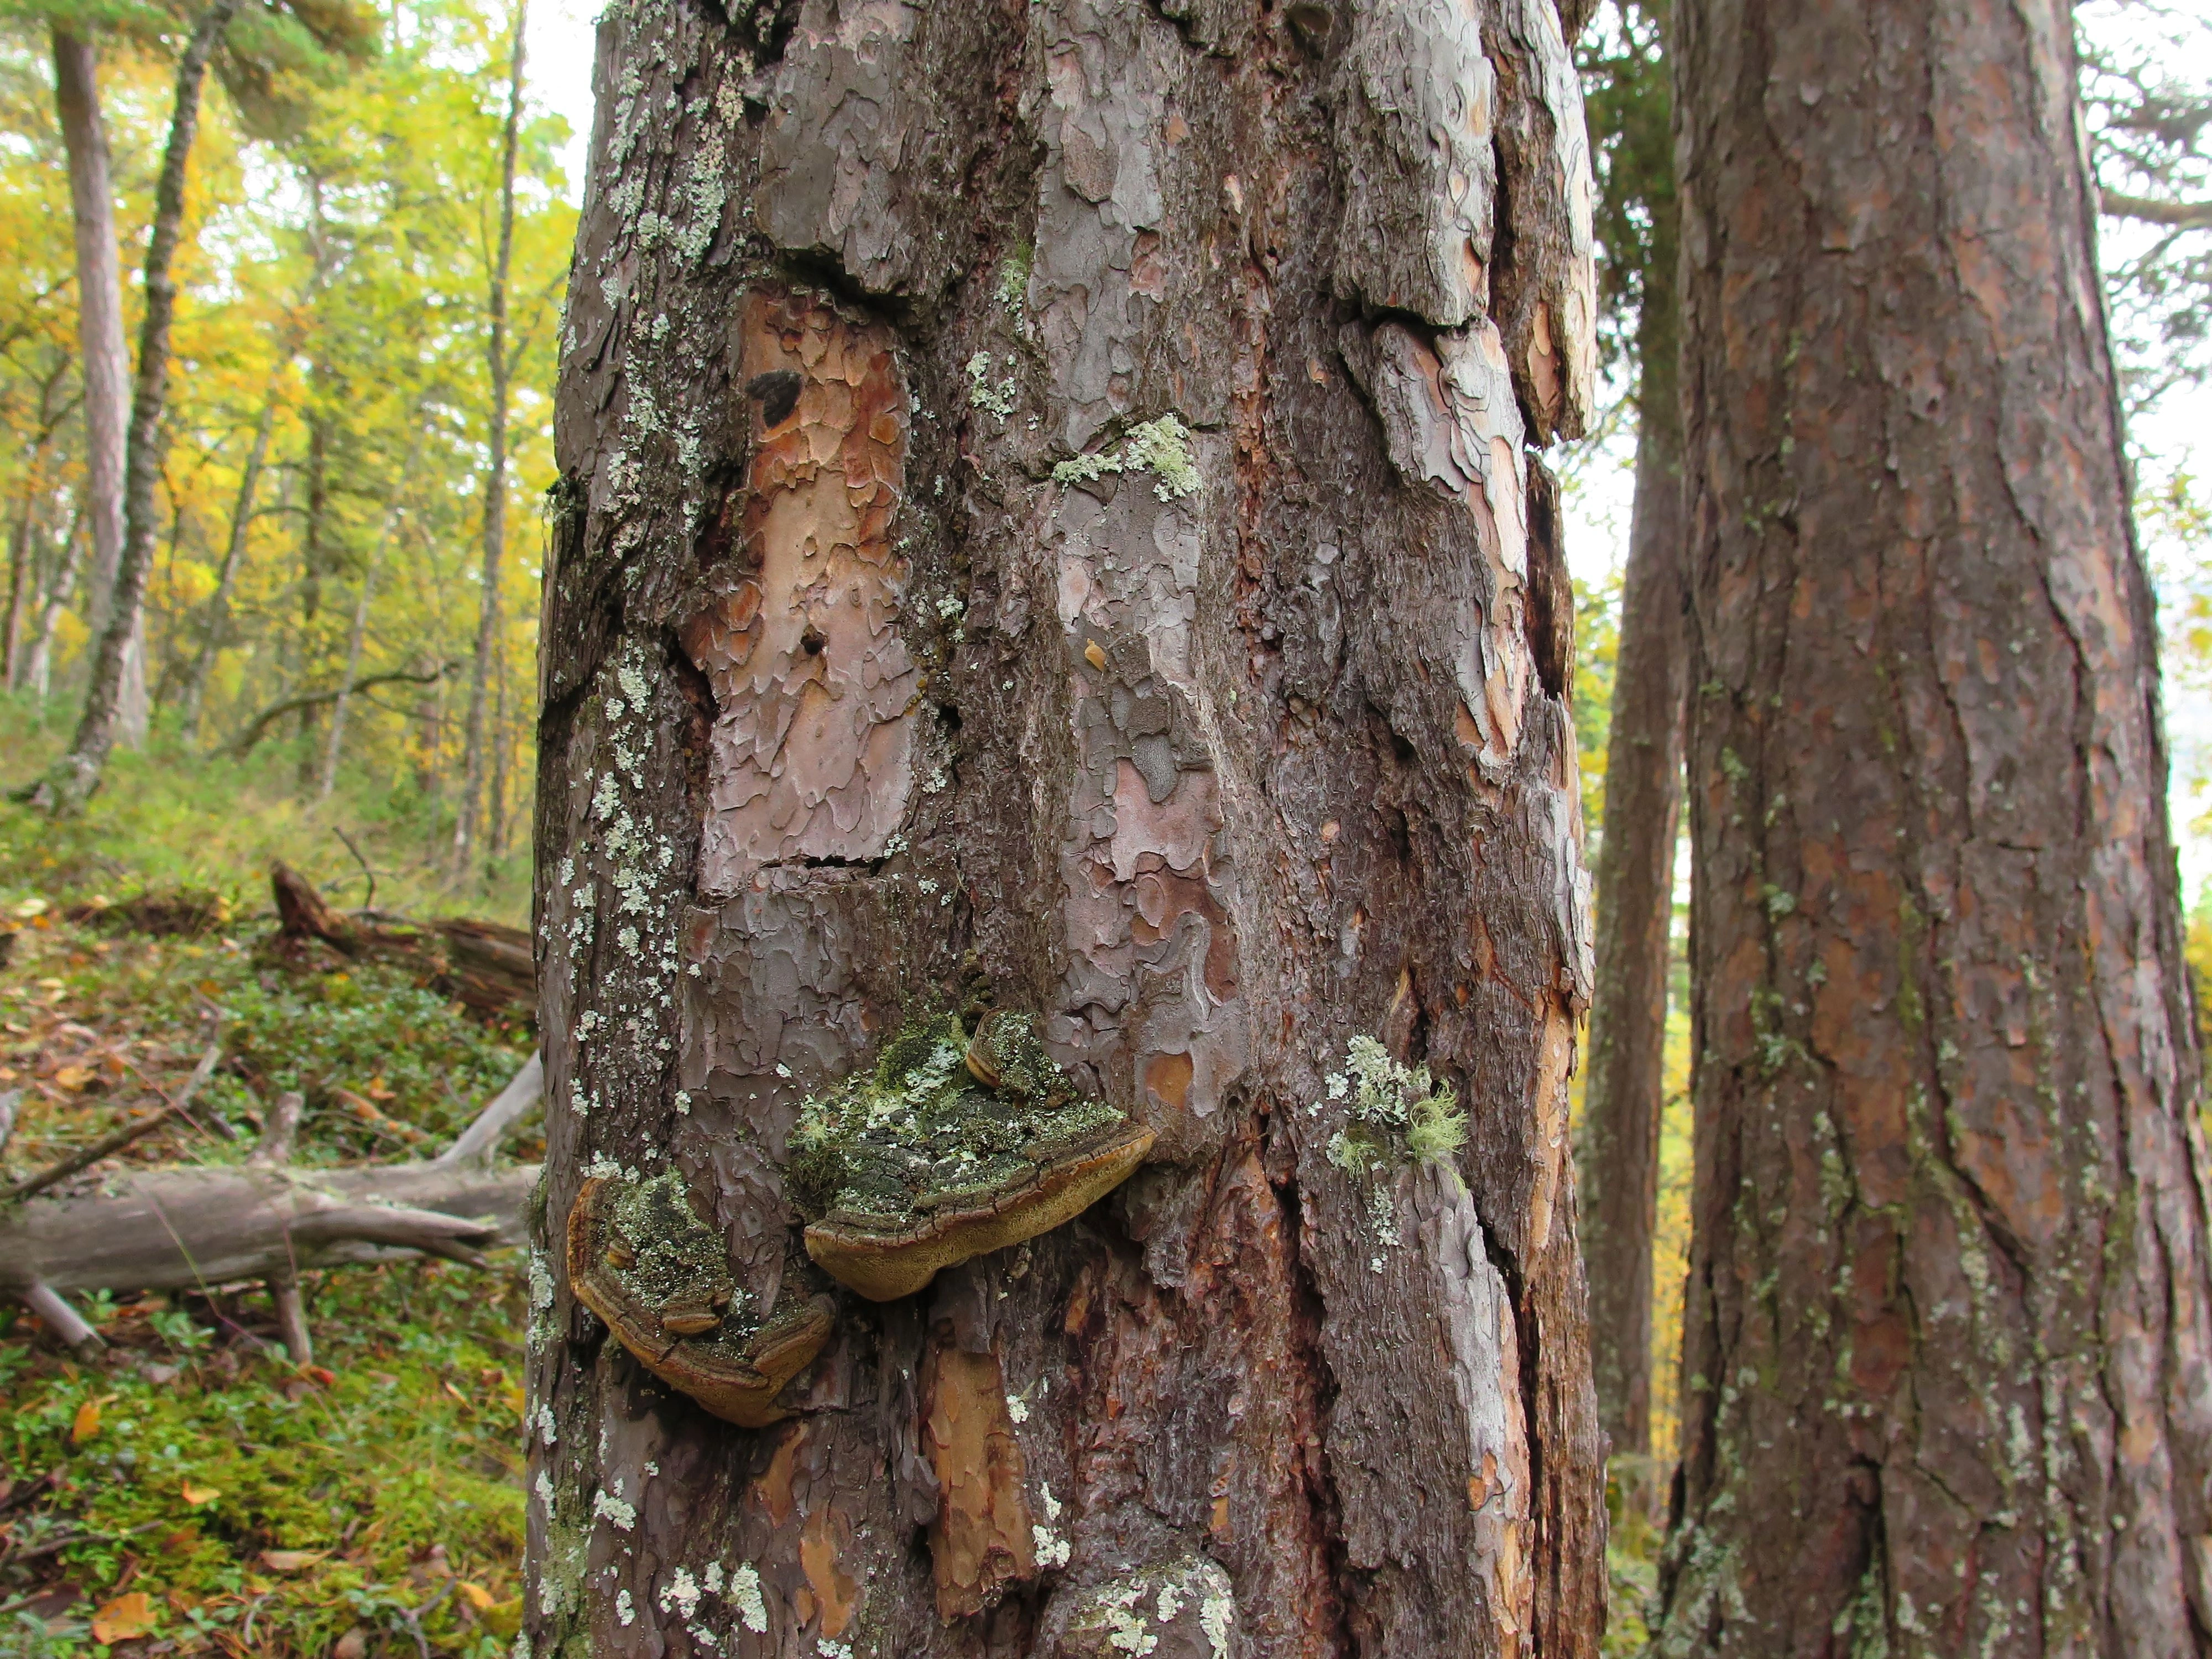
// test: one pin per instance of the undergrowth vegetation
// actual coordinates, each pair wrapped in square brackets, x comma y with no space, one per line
[192,1491]
[172,814]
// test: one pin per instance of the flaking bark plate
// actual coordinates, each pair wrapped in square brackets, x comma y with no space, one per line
[733,1372]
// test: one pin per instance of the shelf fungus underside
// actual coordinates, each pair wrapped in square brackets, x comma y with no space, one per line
[948,1149]
[641,1258]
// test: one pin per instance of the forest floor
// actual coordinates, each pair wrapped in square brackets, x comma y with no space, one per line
[194,1490]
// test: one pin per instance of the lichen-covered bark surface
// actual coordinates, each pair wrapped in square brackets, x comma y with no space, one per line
[1948,1385]
[1245,736]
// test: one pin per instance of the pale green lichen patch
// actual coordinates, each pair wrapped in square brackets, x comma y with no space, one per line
[919,1133]
[1132,1615]
[1394,1113]
[1014,277]
[1161,447]
[997,400]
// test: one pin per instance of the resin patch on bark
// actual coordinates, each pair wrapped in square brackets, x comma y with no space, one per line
[811,755]
[641,1258]
[915,1165]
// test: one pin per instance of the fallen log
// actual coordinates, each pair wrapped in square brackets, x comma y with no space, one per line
[485,966]
[166,1230]
[173,1229]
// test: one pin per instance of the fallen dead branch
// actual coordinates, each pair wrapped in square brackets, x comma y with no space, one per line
[171,1229]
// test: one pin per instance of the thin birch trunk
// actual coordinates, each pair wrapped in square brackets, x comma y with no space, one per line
[216,620]
[74,778]
[495,505]
[335,746]
[38,667]
[21,550]
[354,638]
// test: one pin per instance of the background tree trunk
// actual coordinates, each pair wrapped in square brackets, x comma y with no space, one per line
[476,764]
[77,773]
[1946,1331]
[69,555]
[1254,742]
[217,619]
[1626,1090]
[106,360]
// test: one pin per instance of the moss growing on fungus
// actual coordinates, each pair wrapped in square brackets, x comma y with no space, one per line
[665,1255]
[948,1147]
[641,1258]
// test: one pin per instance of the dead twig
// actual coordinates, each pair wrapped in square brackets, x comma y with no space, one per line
[368,902]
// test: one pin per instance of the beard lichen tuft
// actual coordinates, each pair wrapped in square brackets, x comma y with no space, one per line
[1394,1112]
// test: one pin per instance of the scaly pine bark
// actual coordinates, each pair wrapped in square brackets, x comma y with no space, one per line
[1047,512]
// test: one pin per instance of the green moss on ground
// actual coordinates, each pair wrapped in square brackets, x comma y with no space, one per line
[258,1508]
[918,1133]
[223,1483]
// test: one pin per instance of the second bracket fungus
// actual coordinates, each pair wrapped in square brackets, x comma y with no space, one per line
[948,1148]
[641,1258]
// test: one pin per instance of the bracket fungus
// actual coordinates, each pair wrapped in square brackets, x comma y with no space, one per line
[948,1148]
[641,1258]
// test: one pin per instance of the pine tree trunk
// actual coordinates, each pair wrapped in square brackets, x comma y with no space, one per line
[1622,1101]
[1245,736]
[77,773]
[466,824]
[1948,1317]
[107,360]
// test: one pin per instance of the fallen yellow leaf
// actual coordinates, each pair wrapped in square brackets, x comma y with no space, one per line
[73,1077]
[86,1423]
[49,985]
[291,1560]
[201,1494]
[124,1616]
[475,1595]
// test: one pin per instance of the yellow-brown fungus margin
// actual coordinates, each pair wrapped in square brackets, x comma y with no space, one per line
[692,1338]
